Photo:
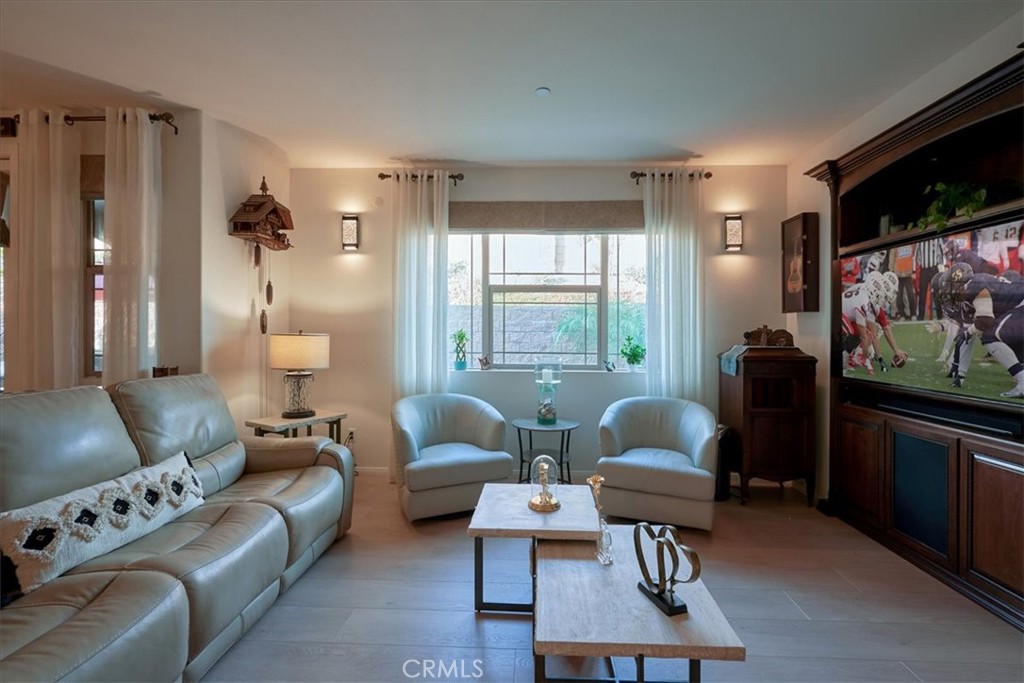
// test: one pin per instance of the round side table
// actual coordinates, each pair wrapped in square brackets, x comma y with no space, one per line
[564,430]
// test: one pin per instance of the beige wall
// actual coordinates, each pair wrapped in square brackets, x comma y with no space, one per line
[350,295]
[806,194]
[179,298]
[232,164]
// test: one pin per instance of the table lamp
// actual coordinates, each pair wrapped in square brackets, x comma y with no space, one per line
[298,354]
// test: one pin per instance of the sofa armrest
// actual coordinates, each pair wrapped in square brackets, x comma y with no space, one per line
[266,454]
[338,456]
[263,454]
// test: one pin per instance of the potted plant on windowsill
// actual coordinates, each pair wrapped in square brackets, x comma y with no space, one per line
[459,338]
[632,353]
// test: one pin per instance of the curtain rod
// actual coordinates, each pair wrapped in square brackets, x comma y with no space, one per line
[430,176]
[637,175]
[167,117]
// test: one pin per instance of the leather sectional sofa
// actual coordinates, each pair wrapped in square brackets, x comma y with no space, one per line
[167,606]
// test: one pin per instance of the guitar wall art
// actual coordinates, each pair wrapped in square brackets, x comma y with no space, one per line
[800,263]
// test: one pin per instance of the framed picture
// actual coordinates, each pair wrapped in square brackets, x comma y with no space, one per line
[800,263]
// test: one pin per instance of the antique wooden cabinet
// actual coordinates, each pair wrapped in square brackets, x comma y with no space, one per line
[769,405]
[931,467]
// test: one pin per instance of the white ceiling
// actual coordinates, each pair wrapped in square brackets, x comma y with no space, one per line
[368,84]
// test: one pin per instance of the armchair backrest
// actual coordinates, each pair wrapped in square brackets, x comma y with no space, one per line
[429,419]
[656,422]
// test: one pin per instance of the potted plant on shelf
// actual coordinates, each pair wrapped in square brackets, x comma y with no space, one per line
[954,199]
[459,337]
[632,352]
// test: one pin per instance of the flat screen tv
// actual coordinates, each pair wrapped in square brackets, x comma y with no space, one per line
[944,314]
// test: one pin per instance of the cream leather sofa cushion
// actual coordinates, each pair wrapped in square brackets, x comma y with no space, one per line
[84,438]
[308,498]
[225,555]
[186,413]
[104,626]
[42,541]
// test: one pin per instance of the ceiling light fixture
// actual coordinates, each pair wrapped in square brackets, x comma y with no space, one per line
[542,91]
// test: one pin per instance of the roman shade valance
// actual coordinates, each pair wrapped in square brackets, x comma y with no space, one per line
[584,216]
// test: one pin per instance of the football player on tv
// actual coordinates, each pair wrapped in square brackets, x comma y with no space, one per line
[863,316]
[990,308]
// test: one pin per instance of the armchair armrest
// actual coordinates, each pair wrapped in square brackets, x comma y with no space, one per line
[406,451]
[610,435]
[705,454]
[490,430]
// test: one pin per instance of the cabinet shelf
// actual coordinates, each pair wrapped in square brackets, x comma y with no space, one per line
[990,215]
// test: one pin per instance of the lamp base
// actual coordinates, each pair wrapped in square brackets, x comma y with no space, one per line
[289,415]
[297,400]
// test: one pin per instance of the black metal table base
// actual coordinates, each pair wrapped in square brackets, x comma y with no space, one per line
[561,456]
[540,673]
[478,584]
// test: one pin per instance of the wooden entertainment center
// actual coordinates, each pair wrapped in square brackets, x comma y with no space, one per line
[934,475]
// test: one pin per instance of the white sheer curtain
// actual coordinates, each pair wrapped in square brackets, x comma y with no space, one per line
[43,297]
[675,283]
[420,226]
[132,194]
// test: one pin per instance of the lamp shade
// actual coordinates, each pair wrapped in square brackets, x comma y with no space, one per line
[300,351]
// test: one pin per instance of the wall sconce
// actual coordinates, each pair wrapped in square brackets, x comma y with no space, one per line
[733,232]
[350,231]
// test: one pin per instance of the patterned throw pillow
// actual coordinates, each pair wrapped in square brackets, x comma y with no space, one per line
[42,541]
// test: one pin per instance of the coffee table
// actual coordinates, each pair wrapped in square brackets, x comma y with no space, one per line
[501,512]
[585,609]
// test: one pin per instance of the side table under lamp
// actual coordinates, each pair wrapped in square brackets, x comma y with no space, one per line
[298,354]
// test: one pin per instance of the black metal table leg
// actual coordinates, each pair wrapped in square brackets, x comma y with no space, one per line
[479,604]
[568,467]
[694,671]
[639,669]
[522,456]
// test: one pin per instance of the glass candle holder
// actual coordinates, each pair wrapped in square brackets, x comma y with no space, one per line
[547,377]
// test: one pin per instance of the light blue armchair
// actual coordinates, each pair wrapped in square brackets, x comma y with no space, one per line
[447,446]
[658,459]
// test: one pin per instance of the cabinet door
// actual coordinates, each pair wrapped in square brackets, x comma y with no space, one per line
[992,519]
[922,489]
[859,473]
[778,444]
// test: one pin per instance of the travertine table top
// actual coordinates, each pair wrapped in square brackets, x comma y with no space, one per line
[502,512]
[586,609]
[276,423]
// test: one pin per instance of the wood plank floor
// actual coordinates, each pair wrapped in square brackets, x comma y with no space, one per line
[811,598]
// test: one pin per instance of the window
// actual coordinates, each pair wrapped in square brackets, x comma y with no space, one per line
[97,254]
[526,297]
